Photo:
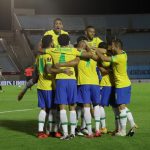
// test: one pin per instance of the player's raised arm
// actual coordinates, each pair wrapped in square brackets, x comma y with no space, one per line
[71,63]
[102,57]
[52,70]
[104,71]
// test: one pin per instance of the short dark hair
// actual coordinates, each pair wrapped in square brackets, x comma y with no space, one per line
[118,43]
[103,45]
[46,41]
[81,38]
[63,40]
[58,19]
[88,27]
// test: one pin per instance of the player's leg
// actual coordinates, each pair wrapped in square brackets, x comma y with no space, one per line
[103,120]
[105,98]
[72,100]
[61,100]
[73,120]
[80,113]
[112,102]
[64,122]
[42,113]
[86,97]
[28,85]
[123,120]
[95,97]
[117,120]
[56,119]
[123,97]
[1,88]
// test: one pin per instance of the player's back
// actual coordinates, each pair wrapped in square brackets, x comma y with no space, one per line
[45,80]
[107,79]
[95,42]
[55,36]
[120,70]
[62,55]
[87,72]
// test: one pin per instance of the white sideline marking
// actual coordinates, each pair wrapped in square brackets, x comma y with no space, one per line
[3,112]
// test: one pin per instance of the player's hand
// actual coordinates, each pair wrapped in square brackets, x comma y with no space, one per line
[57,66]
[68,71]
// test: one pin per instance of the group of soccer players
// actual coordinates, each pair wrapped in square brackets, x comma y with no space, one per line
[85,77]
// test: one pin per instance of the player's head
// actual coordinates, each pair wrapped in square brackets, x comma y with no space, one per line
[80,42]
[58,24]
[117,45]
[64,40]
[81,38]
[90,32]
[103,45]
[47,41]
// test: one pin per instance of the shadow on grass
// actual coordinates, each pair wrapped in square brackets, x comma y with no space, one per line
[26,126]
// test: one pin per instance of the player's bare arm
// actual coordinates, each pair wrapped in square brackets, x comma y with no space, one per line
[71,63]
[102,57]
[52,70]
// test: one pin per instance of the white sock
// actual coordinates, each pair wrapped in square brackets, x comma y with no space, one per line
[87,117]
[51,121]
[103,117]
[117,120]
[130,117]
[73,119]
[64,121]
[41,119]
[97,117]
[123,119]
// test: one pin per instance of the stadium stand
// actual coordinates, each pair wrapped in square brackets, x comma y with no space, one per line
[133,30]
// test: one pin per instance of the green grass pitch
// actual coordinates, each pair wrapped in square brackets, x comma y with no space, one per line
[18,129]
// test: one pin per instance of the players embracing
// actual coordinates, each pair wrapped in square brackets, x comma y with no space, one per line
[74,71]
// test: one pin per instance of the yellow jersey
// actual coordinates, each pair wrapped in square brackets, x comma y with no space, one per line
[62,55]
[55,36]
[45,80]
[108,79]
[87,72]
[119,65]
[95,42]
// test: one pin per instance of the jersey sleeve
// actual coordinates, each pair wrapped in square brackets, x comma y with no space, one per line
[48,59]
[47,33]
[64,32]
[48,51]
[99,40]
[115,59]
[76,52]
[106,64]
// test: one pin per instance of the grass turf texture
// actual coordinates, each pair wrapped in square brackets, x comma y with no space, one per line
[18,129]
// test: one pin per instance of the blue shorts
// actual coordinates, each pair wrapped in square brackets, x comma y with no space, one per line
[88,94]
[123,95]
[66,91]
[108,96]
[45,98]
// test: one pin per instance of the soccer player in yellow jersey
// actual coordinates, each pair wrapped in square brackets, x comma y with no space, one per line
[122,84]
[107,87]
[92,40]
[89,93]
[66,87]
[45,89]
[58,30]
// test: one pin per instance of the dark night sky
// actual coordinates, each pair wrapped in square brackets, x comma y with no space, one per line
[73,7]
[85,6]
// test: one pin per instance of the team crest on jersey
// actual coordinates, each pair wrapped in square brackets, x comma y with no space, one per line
[48,59]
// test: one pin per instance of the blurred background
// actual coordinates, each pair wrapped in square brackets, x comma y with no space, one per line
[23,22]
